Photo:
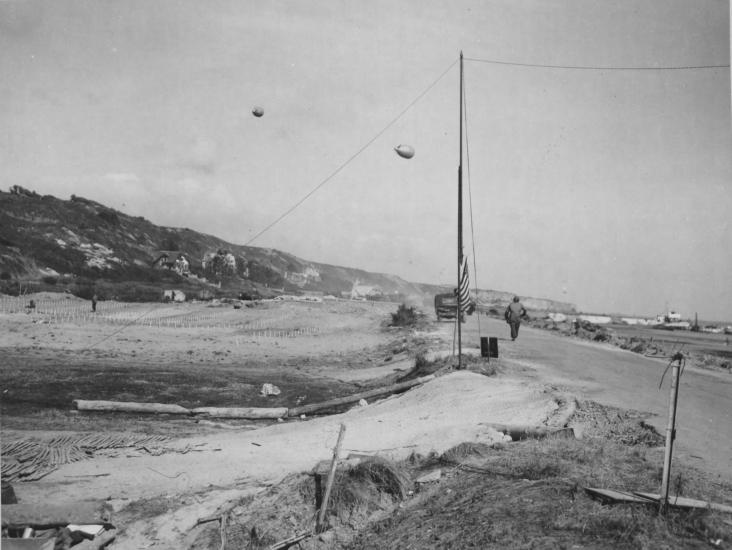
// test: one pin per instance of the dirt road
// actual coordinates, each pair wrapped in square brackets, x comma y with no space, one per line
[620,378]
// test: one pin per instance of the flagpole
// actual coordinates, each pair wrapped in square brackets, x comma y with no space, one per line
[460,222]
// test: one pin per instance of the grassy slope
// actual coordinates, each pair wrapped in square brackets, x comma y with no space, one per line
[529,495]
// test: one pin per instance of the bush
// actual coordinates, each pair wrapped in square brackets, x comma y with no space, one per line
[405,316]
[109,216]
[50,280]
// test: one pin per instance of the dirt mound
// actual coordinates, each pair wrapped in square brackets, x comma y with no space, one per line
[361,493]
[624,426]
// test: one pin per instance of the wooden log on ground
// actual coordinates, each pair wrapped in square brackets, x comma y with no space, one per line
[207,519]
[251,413]
[48,516]
[517,432]
[314,407]
[293,540]
[128,406]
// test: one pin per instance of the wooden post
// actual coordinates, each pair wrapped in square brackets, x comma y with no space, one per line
[670,433]
[331,477]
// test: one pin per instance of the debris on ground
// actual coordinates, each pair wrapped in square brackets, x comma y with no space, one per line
[270,389]
[592,420]
[78,525]
[30,459]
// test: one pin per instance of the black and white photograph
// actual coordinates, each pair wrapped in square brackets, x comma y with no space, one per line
[348,274]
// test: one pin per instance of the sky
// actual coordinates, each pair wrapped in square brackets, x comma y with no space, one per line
[610,189]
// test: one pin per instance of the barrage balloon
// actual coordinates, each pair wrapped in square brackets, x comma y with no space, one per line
[404,151]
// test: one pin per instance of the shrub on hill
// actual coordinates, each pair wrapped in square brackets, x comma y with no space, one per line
[404,316]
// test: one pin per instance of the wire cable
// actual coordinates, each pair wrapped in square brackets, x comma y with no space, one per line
[434,83]
[352,157]
[596,67]
[678,356]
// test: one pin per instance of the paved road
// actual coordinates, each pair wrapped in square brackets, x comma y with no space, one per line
[623,379]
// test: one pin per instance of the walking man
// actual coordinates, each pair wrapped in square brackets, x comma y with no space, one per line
[514,312]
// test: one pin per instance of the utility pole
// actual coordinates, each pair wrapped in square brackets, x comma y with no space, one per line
[460,225]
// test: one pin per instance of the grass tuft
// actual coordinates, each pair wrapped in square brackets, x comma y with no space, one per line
[465,450]
[371,485]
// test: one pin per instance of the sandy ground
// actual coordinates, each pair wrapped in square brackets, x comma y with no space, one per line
[434,417]
[341,341]
[338,346]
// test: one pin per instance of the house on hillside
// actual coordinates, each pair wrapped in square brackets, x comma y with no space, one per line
[180,265]
[174,296]
[365,292]
[309,274]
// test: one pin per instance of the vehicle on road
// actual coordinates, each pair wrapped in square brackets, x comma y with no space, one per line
[446,306]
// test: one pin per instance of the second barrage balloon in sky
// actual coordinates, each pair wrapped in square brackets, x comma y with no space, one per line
[404,151]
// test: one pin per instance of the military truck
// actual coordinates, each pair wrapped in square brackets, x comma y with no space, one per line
[446,306]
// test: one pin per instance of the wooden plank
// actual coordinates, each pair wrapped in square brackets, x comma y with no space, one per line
[27,544]
[314,407]
[122,406]
[46,516]
[610,495]
[250,413]
[685,502]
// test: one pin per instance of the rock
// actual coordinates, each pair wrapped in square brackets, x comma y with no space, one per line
[270,389]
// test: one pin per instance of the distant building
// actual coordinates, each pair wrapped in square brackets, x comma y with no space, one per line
[669,317]
[309,274]
[174,296]
[182,266]
[365,292]
[596,319]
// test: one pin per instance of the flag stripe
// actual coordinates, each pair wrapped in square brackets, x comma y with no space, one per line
[464,290]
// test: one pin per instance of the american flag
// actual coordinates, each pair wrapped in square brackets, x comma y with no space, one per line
[464,290]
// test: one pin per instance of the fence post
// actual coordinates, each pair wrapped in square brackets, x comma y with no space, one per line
[670,432]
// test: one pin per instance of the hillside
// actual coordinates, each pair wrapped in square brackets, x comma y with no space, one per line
[85,247]
[79,242]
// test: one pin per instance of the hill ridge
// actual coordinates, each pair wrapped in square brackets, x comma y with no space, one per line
[89,247]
